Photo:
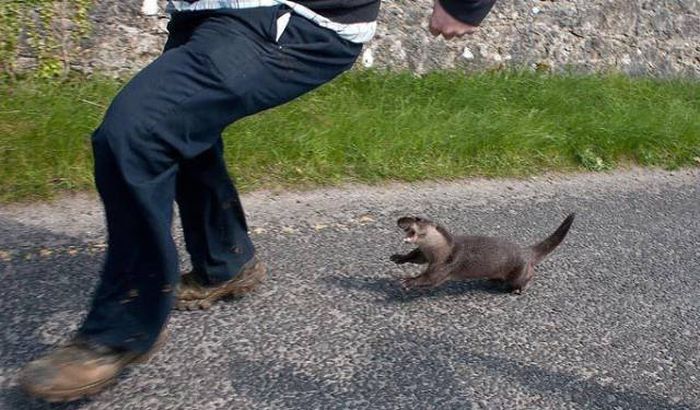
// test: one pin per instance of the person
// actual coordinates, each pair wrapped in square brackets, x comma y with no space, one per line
[160,143]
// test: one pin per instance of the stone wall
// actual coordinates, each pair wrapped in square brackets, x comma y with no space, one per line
[659,37]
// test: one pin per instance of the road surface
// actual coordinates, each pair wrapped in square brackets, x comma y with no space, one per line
[611,321]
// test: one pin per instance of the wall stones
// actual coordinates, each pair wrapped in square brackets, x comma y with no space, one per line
[659,37]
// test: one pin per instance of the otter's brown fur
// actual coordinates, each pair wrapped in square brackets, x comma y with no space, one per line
[464,257]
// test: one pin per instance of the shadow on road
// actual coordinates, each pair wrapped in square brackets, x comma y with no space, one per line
[407,370]
[46,289]
[393,293]
[587,392]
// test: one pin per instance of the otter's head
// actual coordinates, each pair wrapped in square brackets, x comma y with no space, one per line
[422,232]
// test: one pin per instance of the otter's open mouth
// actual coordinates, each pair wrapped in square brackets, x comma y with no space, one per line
[410,235]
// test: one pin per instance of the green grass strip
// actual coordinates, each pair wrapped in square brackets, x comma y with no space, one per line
[371,127]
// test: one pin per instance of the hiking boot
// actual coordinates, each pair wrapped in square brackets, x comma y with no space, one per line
[78,369]
[192,295]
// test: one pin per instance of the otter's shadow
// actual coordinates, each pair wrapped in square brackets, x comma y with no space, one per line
[393,293]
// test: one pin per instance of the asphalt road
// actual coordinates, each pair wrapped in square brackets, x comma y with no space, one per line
[611,321]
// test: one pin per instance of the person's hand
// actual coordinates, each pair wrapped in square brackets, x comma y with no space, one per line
[442,23]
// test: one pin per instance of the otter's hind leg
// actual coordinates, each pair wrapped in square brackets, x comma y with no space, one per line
[520,279]
[431,278]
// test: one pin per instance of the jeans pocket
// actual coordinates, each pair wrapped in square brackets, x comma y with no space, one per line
[280,17]
[304,39]
[281,24]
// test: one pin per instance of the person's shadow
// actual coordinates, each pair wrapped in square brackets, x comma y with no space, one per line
[433,359]
[46,291]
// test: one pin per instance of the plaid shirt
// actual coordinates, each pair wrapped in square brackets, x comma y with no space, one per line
[354,32]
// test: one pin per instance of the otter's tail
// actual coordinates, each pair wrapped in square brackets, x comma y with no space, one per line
[544,248]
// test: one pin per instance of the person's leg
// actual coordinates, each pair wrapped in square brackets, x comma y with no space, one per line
[213,221]
[171,112]
[216,234]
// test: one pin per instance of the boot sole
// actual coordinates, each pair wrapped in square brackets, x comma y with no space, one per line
[65,396]
[250,279]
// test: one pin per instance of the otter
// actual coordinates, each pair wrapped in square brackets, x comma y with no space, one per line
[465,257]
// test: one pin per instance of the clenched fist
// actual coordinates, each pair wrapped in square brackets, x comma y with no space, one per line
[443,23]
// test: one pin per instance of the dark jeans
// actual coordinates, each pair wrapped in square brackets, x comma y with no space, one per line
[160,141]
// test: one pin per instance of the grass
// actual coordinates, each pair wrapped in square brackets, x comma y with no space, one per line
[371,127]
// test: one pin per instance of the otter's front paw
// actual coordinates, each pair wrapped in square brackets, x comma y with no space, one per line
[397,259]
[412,283]
[406,283]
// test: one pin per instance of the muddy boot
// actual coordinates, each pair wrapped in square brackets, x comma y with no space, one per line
[78,369]
[192,295]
